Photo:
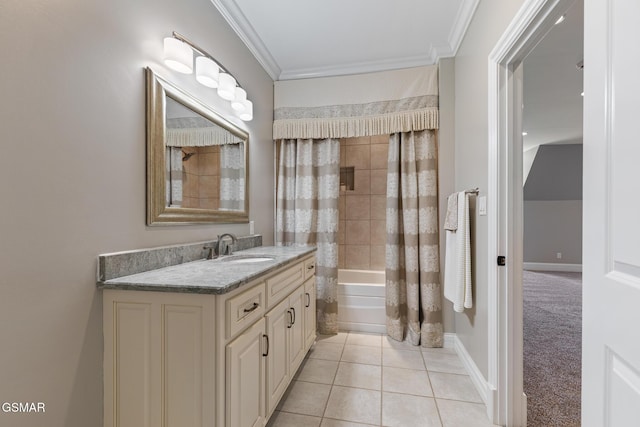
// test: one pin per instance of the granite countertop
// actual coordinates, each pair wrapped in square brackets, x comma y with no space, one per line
[209,276]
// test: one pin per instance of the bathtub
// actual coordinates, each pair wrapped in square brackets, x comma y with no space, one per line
[361,301]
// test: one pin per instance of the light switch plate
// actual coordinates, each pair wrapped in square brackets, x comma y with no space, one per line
[482,205]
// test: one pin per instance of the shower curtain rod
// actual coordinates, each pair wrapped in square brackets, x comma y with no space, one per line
[473,191]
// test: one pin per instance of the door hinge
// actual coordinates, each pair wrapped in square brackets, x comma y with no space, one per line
[502,260]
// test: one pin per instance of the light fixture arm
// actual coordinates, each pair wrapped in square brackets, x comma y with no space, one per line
[203,52]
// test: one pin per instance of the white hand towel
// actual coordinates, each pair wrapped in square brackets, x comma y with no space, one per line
[457,276]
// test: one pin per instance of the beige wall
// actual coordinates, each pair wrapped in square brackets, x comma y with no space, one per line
[72,86]
[362,229]
[446,165]
[471,150]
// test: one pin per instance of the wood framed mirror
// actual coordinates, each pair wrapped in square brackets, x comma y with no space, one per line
[197,161]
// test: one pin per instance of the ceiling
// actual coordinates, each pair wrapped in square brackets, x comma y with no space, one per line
[295,39]
[552,111]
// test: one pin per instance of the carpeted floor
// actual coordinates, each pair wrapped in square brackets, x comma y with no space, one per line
[552,347]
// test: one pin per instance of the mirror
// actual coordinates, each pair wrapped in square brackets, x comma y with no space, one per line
[196,160]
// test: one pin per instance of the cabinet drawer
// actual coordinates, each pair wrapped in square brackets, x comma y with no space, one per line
[244,309]
[309,267]
[282,284]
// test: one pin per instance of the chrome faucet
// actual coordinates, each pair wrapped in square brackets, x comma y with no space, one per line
[222,248]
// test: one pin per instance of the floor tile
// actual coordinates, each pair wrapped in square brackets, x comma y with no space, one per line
[402,410]
[326,351]
[362,354]
[444,362]
[402,359]
[388,342]
[361,338]
[409,381]
[359,376]
[328,422]
[287,419]
[338,338]
[317,371]
[305,398]
[452,386]
[456,414]
[354,404]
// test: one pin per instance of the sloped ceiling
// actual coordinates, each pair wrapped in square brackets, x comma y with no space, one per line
[295,39]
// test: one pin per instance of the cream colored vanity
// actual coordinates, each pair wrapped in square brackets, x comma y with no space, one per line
[182,359]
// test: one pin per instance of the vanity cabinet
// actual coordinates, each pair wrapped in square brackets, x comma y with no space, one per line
[193,360]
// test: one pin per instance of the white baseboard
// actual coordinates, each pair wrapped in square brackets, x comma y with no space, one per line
[482,386]
[550,266]
[371,328]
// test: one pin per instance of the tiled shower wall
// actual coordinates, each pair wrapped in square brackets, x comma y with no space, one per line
[201,178]
[361,230]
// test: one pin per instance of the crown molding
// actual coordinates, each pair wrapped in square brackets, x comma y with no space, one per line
[460,25]
[243,28]
[359,67]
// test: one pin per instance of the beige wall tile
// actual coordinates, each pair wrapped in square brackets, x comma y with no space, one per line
[358,156]
[358,232]
[343,154]
[379,154]
[378,181]
[380,139]
[361,140]
[342,252]
[190,202]
[358,207]
[378,232]
[378,207]
[209,163]
[377,257]
[362,182]
[341,232]
[357,256]
[208,203]
[342,207]
[190,185]
[209,186]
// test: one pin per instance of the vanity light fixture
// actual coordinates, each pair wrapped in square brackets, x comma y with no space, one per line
[226,87]
[524,134]
[178,55]
[207,72]
[238,101]
[560,20]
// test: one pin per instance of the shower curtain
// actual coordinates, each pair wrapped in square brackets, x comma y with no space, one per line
[173,176]
[413,295]
[307,213]
[232,177]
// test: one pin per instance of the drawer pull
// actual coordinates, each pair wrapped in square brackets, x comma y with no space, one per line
[311,267]
[294,316]
[308,299]
[253,307]
[267,352]
[290,319]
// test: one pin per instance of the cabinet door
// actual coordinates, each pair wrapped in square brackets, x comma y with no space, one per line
[296,331]
[309,312]
[278,323]
[246,378]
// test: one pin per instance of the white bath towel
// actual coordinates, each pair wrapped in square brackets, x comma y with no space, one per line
[457,270]
[451,218]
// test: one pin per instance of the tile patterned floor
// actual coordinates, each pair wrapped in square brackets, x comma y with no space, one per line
[356,379]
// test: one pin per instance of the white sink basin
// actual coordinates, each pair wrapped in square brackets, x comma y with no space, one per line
[246,259]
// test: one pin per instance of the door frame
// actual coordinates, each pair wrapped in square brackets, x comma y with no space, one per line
[507,403]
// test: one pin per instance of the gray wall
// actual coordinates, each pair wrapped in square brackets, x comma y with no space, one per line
[471,155]
[446,164]
[553,206]
[72,179]
[556,173]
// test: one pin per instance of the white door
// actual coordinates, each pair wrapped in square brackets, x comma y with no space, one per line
[611,251]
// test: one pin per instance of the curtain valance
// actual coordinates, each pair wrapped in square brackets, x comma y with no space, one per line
[357,105]
[197,132]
